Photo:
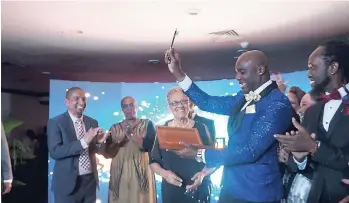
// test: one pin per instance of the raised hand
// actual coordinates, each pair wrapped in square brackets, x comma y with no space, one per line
[282,85]
[173,60]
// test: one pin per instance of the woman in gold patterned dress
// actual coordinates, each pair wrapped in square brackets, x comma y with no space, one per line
[131,180]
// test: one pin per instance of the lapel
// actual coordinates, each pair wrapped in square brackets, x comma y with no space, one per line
[338,116]
[315,119]
[69,125]
[86,123]
[237,115]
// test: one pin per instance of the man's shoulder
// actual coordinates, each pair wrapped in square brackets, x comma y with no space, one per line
[58,118]
[276,100]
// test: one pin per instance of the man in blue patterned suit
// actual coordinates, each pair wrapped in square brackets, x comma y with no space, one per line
[260,110]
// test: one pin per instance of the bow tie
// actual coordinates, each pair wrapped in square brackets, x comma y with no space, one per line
[251,96]
[335,95]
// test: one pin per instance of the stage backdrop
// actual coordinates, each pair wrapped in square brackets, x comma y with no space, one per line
[103,104]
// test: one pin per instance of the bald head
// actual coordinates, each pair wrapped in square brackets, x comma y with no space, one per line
[252,70]
[255,57]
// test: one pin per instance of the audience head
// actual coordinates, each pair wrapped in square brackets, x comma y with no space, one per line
[76,101]
[252,70]
[31,134]
[129,107]
[178,103]
[295,95]
[329,66]
[306,102]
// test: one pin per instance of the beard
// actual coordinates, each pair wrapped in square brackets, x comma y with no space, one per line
[320,88]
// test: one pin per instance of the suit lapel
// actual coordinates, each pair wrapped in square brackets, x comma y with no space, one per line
[312,125]
[338,116]
[86,123]
[237,115]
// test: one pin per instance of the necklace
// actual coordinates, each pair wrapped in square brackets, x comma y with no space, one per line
[174,122]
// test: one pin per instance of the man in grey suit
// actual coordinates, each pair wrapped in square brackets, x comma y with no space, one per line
[6,169]
[73,139]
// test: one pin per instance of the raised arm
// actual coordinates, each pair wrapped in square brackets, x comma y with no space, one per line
[274,119]
[215,104]
[59,150]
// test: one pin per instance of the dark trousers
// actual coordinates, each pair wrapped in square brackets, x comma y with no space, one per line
[84,191]
[223,198]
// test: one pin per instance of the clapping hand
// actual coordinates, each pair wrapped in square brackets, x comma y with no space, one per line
[101,137]
[91,134]
[302,141]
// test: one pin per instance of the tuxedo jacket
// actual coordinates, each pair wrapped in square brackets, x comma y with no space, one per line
[251,168]
[65,149]
[332,157]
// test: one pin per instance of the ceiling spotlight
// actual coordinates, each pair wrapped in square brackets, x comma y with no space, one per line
[46,73]
[193,12]
[154,61]
[244,44]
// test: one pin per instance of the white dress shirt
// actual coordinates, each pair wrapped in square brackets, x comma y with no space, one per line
[186,83]
[82,170]
[330,109]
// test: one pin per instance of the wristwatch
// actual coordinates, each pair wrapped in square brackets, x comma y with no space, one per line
[318,143]
[199,155]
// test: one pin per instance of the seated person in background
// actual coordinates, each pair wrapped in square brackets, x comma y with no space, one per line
[208,123]
[306,102]
[184,180]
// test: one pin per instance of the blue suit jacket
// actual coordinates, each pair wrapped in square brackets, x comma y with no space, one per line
[251,170]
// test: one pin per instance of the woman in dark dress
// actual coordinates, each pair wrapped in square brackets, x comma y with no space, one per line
[184,180]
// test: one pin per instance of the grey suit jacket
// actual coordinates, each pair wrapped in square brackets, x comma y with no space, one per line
[65,149]
[6,169]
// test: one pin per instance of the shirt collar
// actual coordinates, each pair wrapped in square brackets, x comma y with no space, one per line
[262,87]
[73,118]
[342,90]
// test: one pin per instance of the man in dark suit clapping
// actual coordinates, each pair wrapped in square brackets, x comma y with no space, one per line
[73,140]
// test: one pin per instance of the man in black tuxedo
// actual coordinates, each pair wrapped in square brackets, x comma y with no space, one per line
[72,142]
[328,121]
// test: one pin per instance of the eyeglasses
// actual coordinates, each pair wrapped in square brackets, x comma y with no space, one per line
[177,103]
[125,106]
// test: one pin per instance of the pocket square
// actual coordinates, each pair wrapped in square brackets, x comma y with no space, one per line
[251,109]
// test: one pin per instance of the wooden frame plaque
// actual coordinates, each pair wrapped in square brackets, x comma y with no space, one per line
[171,137]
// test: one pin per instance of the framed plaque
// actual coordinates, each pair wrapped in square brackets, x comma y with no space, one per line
[172,137]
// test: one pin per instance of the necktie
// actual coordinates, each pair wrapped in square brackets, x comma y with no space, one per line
[84,160]
[335,95]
